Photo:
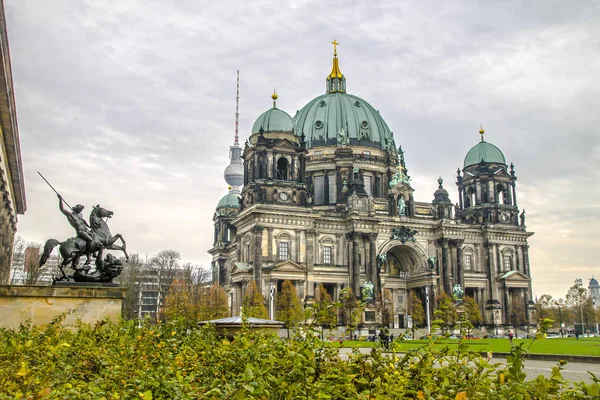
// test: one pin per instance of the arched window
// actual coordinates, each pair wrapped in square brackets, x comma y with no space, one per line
[468,259]
[284,247]
[327,247]
[282,169]
[507,260]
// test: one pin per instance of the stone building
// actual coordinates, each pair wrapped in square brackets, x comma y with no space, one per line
[327,199]
[12,186]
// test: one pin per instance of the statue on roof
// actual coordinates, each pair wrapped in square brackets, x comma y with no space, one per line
[342,138]
[401,206]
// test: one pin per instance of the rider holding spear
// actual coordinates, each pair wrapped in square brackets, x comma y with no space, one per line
[76,220]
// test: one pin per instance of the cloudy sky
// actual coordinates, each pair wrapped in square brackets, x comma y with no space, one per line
[131,104]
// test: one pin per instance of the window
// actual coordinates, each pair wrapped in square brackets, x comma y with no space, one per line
[400,299]
[319,190]
[468,262]
[507,262]
[282,169]
[332,188]
[369,316]
[327,255]
[368,184]
[283,250]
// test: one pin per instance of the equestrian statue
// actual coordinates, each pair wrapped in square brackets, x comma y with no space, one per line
[91,240]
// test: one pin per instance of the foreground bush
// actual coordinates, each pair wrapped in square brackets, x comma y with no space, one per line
[170,361]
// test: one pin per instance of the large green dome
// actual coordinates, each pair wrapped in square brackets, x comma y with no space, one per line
[329,117]
[486,152]
[230,200]
[274,120]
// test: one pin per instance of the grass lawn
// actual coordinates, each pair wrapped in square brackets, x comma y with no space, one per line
[572,346]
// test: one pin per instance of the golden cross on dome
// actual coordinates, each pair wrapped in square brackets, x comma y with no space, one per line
[334,43]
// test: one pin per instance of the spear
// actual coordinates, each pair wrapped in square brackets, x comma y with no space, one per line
[51,187]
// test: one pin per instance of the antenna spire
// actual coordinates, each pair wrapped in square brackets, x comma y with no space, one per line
[237,110]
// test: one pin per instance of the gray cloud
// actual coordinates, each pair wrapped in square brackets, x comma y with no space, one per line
[140,96]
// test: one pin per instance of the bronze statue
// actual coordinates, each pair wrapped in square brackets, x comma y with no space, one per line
[92,238]
[82,228]
[73,248]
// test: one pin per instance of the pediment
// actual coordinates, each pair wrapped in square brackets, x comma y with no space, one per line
[285,143]
[240,268]
[501,173]
[288,266]
[514,277]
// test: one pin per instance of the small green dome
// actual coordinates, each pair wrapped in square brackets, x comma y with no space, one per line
[274,120]
[230,200]
[341,115]
[484,151]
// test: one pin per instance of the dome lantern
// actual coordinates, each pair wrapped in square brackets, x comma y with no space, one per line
[336,82]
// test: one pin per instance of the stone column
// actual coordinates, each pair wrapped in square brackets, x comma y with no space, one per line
[445,267]
[460,273]
[507,306]
[339,259]
[491,271]
[373,270]
[222,272]
[271,256]
[355,266]
[526,259]
[514,194]
[297,246]
[338,289]
[258,258]
[310,250]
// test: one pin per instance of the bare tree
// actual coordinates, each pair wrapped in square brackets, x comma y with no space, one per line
[25,265]
[131,278]
[165,265]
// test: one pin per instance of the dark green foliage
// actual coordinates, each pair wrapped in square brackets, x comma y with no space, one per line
[287,305]
[325,310]
[254,303]
[168,361]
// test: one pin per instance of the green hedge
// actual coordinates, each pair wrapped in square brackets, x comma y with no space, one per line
[172,361]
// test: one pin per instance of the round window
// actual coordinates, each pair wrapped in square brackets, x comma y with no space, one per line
[318,124]
[365,124]
[322,103]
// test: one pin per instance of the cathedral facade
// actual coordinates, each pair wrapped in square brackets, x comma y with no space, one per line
[325,198]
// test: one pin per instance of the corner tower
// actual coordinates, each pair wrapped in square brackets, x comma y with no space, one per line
[487,189]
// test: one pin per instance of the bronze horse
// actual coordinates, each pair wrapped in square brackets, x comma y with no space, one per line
[73,248]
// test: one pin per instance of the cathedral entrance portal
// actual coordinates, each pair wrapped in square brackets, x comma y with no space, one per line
[404,274]
[403,261]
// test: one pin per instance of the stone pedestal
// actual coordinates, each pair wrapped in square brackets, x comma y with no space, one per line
[41,304]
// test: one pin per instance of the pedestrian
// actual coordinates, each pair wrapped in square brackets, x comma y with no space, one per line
[510,337]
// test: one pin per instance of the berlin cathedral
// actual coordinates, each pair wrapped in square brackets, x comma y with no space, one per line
[325,198]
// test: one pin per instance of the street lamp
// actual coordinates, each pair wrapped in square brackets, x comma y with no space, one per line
[579,284]
[595,314]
